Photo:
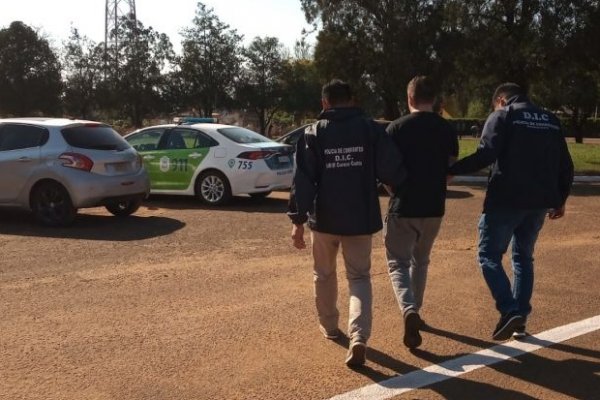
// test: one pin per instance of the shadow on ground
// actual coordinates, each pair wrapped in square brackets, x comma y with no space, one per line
[458,194]
[238,203]
[575,378]
[586,190]
[89,227]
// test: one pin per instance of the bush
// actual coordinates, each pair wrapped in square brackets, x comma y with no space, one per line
[467,126]
[591,128]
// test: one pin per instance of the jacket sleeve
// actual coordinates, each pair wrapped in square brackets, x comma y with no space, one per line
[491,144]
[565,173]
[389,167]
[304,186]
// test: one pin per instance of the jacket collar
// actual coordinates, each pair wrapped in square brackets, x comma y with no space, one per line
[520,98]
[336,114]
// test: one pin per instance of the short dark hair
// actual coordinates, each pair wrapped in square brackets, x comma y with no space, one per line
[507,90]
[422,89]
[337,92]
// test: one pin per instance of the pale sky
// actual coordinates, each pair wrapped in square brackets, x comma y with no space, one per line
[283,19]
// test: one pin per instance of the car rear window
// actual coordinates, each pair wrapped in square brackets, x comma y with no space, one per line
[94,137]
[242,135]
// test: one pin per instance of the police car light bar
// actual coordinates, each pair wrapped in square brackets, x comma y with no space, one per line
[194,120]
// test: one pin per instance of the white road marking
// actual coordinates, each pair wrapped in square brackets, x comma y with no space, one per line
[462,365]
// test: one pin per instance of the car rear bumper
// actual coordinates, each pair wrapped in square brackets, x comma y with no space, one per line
[263,182]
[91,190]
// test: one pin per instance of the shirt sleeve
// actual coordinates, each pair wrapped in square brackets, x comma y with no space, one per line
[566,171]
[389,167]
[492,142]
[453,142]
[304,186]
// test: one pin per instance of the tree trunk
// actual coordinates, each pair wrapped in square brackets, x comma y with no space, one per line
[577,121]
[390,111]
[261,121]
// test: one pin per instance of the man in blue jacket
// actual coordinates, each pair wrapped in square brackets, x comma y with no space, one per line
[531,176]
[339,160]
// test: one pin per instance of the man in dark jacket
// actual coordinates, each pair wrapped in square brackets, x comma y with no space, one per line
[428,145]
[531,176]
[339,159]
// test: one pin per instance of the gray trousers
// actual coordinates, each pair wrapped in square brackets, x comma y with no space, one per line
[357,259]
[408,244]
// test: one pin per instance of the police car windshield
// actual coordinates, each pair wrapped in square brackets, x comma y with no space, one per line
[242,135]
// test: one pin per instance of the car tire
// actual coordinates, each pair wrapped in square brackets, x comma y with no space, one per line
[212,188]
[52,205]
[261,195]
[124,208]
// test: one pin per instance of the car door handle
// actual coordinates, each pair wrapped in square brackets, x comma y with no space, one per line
[195,155]
[148,157]
[25,159]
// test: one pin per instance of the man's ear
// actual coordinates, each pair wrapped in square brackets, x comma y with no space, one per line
[411,101]
[325,104]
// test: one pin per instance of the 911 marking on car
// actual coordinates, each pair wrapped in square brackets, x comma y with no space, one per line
[179,164]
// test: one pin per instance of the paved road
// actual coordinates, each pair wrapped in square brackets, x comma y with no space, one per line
[186,302]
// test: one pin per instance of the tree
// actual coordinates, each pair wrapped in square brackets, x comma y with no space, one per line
[571,84]
[135,80]
[379,45]
[301,89]
[29,72]
[210,62]
[260,87]
[83,65]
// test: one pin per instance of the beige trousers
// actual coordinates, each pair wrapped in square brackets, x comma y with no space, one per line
[356,251]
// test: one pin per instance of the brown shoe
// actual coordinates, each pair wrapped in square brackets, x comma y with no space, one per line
[357,353]
[412,325]
[331,334]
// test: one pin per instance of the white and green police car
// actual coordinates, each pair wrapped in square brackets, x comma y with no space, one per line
[212,161]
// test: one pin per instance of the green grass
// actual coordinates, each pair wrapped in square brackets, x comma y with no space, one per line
[586,156]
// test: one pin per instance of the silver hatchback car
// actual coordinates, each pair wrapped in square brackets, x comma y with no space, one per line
[55,166]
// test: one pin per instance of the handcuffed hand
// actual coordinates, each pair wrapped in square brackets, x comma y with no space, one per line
[298,237]
[556,213]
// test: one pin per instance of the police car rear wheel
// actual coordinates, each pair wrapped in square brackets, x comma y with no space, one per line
[213,188]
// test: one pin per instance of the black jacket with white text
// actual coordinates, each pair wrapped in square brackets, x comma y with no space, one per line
[532,165]
[339,160]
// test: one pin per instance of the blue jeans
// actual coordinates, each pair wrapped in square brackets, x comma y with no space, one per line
[497,228]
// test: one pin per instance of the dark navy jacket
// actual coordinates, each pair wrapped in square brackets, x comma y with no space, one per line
[532,165]
[339,160]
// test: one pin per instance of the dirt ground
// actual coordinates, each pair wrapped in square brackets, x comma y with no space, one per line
[187,302]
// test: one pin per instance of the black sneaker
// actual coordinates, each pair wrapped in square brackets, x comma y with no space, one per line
[412,324]
[357,353]
[507,325]
[519,332]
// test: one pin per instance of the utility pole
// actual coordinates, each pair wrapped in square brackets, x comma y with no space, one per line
[115,9]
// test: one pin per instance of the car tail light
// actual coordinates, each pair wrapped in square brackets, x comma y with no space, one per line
[256,155]
[77,161]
